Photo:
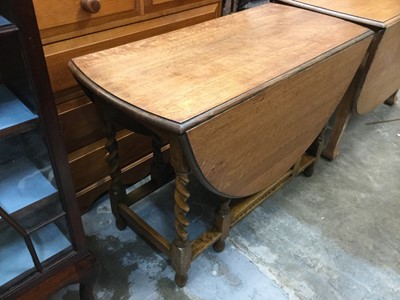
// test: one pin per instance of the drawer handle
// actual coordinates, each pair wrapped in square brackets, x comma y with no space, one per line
[91,6]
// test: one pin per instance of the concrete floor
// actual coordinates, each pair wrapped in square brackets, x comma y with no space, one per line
[332,236]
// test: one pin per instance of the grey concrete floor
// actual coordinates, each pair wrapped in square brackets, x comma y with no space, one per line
[332,236]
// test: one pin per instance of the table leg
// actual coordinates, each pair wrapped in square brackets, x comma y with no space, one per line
[392,99]
[161,171]
[222,223]
[341,118]
[117,191]
[315,150]
[181,248]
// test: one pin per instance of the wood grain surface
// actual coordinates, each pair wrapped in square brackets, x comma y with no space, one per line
[180,79]
[250,146]
[383,77]
[57,13]
[58,54]
[377,13]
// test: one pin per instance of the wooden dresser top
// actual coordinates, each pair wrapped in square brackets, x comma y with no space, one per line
[380,13]
[179,79]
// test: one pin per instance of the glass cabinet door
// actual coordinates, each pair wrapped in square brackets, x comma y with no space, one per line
[33,222]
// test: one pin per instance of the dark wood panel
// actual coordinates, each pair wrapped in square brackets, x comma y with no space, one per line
[58,13]
[80,123]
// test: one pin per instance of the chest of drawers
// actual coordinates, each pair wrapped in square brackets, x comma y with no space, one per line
[72,28]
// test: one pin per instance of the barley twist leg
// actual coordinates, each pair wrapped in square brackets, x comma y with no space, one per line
[181,249]
[117,191]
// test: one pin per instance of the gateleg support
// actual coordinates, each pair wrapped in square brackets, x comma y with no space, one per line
[222,223]
[340,119]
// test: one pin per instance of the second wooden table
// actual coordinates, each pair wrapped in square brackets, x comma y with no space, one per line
[378,78]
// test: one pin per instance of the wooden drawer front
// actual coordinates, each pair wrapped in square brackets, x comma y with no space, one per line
[58,54]
[50,13]
[88,166]
[131,173]
[156,5]
[80,123]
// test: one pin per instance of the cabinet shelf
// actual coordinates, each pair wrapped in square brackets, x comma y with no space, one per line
[42,243]
[15,117]
[6,27]
[47,242]
[22,184]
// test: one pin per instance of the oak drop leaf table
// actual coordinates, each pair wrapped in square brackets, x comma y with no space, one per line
[242,101]
[378,78]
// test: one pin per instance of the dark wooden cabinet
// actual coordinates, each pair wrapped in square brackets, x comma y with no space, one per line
[42,245]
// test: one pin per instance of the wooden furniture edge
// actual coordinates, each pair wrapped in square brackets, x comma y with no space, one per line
[83,271]
[180,128]
[333,13]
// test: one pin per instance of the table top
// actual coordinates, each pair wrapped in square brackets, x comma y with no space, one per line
[180,79]
[380,13]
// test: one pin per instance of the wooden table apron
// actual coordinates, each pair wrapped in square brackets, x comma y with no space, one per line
[245,145]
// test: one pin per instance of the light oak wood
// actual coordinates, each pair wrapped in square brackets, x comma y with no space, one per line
[68,31]
[52,13]
[151,6]
[383,77]
[379,76]
[371,12]
[257,149]
[242,97]
[227,71]
[340,117]
[58,54]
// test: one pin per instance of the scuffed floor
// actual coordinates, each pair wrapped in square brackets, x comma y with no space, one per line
[332,236]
